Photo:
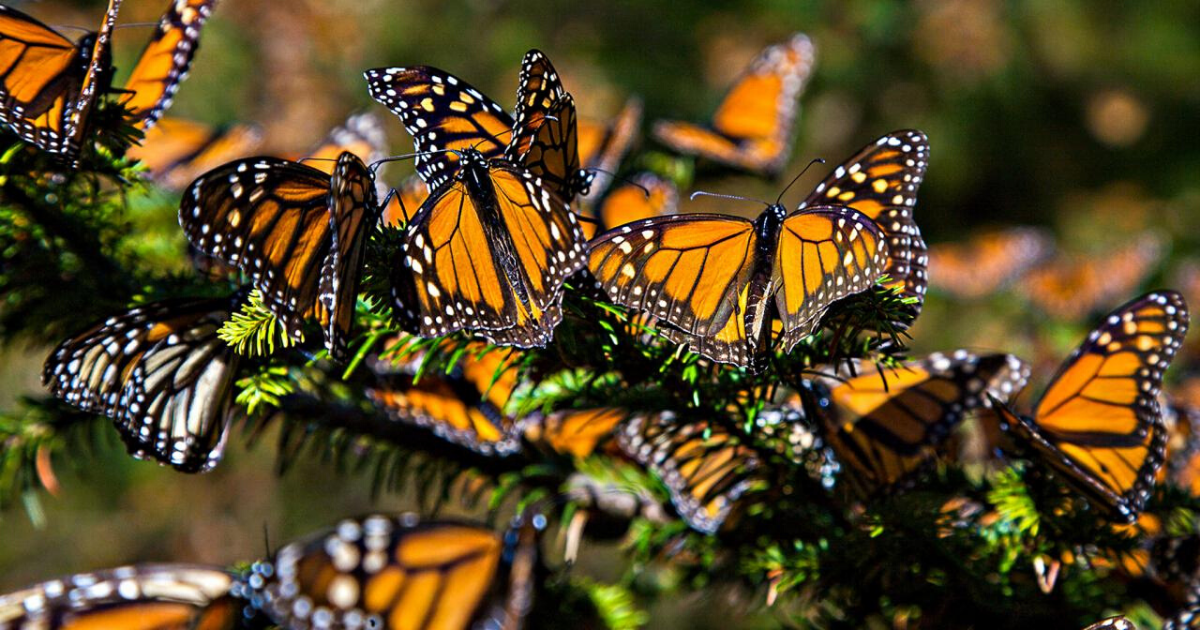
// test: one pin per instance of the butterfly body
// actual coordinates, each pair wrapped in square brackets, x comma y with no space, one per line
[718,282]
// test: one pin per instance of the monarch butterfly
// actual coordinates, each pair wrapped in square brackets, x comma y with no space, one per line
[710,278]
[446,116]
[1071,288]
[755,123]
[602,146]
[161,373]
[1098,422]
[394,572]
[885,425]
[165,61]
[575,432]
[488,252]
[646,195]
[175,151]
[48,84]
[298,232]
[988,261]
[705,468]
[465,407]
[881,182]
[143,597]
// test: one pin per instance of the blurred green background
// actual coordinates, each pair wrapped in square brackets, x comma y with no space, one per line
[1082,117]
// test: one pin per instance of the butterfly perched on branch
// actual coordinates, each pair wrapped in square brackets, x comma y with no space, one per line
[754,126]
[719,282]
[161,373]
[50,85]
[1099,423]
[298,232]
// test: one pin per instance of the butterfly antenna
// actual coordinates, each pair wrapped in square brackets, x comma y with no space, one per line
[408,156]
[615,176]
[267,539]
[797,178]
[134,25]
[705,193]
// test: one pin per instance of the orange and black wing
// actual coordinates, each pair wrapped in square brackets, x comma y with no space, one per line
[1099,422]
[576,432]
[755,123]
[881,181]
[692,272]
[165,62]
[355,212]
[885,426]
[47,83]
[603,146]
[705,468]
[645,196]
[409,196]
[1071,288]
[499,276]
[361,134]
[271,219]
[161,373]
[988,261]
[398,573]
[464,406]
[825,253]
[553,154]
[143,597]
[176,151]
[441,112]
[539,96]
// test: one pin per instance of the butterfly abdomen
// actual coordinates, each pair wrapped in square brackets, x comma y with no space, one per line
[758,334]
[483,191]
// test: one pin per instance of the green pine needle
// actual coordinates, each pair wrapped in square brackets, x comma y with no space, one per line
[253,330]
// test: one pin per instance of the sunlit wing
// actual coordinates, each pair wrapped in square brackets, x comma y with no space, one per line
[441,111]
[143,597]
[177,151]
[753,127]
[825,253]
[576,432]
[645,196]
[553,153]
[501,276]
[166,59]
[881,181]
[703,466]
[465,406]
[399,573]
[885,426]
[48,85]
[161,373]
[1099,421]
[539,93]
[1071,288]
[689,271]
[361,134]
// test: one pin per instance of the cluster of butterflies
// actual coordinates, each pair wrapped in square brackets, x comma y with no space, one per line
[375,572]
[507,208]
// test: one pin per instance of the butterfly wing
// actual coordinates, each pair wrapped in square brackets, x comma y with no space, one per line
[271,219]
[355,213]
[703,466]
[646,196]
[825,253]
[881,181]
[885,425]
[394,572]
[47,84]
[161,373]
[1071,288]
[143,597]
[576,432]
[988,261]
[1099,422]
[176,151]
[410,195]
[691,272]
[361,134]
[755,123]
[1113,623]
[495,266]
[165,62]
[464,407]
[440,112]
[553,154]
[539,93]
[602,147]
